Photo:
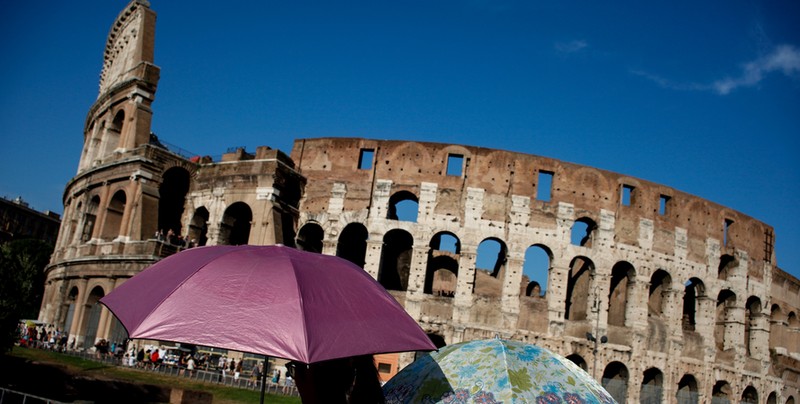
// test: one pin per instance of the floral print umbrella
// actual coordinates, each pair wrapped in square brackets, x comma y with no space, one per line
[494,371]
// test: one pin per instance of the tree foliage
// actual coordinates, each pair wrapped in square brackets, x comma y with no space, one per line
[22,264]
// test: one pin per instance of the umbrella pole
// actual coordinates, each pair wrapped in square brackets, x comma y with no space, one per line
[263,379]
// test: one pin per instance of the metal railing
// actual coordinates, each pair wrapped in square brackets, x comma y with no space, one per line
[8,396]
[212,376]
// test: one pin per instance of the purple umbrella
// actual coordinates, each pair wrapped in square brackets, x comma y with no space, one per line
[269,300]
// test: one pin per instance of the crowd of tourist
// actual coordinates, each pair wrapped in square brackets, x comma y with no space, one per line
[43,336]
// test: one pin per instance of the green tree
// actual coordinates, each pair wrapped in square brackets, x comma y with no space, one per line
[22,264]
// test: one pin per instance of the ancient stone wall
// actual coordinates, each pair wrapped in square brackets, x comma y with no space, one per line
[679,285]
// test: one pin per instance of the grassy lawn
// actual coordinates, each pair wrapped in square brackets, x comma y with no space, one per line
[88,368]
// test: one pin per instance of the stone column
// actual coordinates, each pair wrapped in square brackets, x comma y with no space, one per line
[77,317]
[372,260]
[511,288]
[705,319]
[465,284]
[759,336]
[556,297]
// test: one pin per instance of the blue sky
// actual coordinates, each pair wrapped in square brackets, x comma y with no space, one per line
[700,96]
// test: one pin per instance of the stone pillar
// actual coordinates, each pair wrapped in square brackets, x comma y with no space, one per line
[76,329]
[380,199]
[511,287]
[131,206]
[102,210]
[556,297]
[465,284]
[704,319]
[759,336]
[372,260]
[635,311]
[672,307]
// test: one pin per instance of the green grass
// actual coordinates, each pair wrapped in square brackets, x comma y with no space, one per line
[88,368]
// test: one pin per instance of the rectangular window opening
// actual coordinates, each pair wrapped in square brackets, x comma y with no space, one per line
[365,159]
[384,367]
[627,195]
[662,204]
[726,231]
[544,186]
[455,165]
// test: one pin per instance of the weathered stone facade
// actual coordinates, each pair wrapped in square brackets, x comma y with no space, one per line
[685,293]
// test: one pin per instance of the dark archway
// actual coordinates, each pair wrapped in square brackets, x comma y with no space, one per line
[114,213]
[396,260]
[687,390]
[91,316]
[581,271]
[615,381]
[352,244]
[309,238]
[622,276]
[235,226]
[171,200]
[652,388]
[198,227]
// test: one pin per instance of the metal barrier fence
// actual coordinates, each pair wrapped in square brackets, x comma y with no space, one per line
[200,375]
[8,396]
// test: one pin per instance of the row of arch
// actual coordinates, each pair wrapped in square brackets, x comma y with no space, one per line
[442,271]
[616,381]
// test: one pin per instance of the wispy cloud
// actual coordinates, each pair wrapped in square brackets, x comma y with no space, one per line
[783,59]
[571,46]
[672,85]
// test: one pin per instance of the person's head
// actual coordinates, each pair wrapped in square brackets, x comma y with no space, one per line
[345,380]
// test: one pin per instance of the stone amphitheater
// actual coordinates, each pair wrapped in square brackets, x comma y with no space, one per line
[664,296]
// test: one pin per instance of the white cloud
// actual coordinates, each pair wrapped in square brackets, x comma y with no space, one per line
[784,59]
[571,46]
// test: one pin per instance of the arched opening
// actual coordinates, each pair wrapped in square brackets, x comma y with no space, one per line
[722,333]
[652,387]
[772,398]
[114,213]
[309,238]
[352,244]
[437,340]
[721,393]
[579,361]
[752,314]
[660,285]
[172,197]
[198,227]
[396,258]
[582,232]
[615,381]
[535,271]
[403,206]
[622,276]
[581,272]
[727,265]
[790,400]
[89,219]
[113,134]
[490,264]
[441,273]
[775,326]
[749,395]
[694,288]
[687,390]
[92,316]
[72,296]
[792,322]
[235,226]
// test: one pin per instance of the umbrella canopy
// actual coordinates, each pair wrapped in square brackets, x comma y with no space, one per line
[494,370]
[269,300]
